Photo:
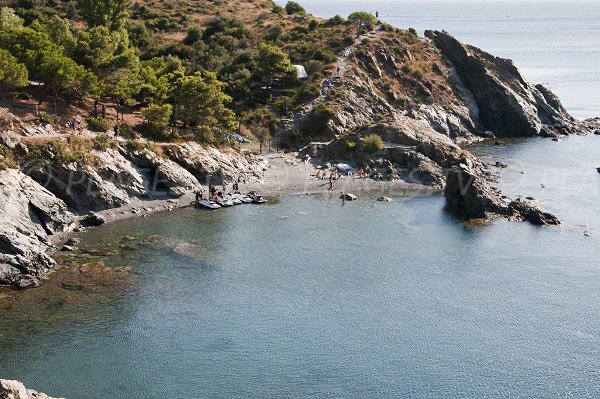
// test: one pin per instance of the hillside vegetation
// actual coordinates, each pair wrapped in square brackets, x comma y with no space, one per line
[180,69]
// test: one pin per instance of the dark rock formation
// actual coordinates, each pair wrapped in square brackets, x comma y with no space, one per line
[507,104]
[93,219]
[28,214]
[468,195]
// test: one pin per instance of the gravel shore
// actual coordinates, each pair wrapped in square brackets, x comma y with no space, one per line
[286,175]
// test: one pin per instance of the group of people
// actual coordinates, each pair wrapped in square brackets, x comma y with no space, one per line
[213,193]
[333,176]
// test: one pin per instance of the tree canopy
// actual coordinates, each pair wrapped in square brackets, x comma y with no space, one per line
[109,13]
[12,72]
[363,19]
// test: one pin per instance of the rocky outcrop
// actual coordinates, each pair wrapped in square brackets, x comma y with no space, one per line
[28,214]
[468,195]
[507,104]
[10,389]
[211,166]
[411,147]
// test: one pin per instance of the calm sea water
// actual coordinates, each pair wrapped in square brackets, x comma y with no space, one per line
[308,298]
[556,43]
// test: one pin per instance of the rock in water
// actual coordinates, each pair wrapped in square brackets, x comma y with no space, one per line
[597,132]
[93,219]
[468,194]
[532,213]
[384,199]
[10,389]
[349,197]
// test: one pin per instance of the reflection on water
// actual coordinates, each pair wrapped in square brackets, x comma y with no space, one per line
[311,299]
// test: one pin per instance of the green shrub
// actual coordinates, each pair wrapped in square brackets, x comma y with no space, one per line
[7,159]
[294,8]
[98,124]
[335,21]
[278,10]
[4,123]
[122,129]
[282,104]
[313,24]
[317,121]
[46,119]
[102,142]
[373,143]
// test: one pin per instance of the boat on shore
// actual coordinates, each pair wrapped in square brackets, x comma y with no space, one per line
[208,204]
[257,199]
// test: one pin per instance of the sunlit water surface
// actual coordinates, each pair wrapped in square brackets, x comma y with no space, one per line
[309,298]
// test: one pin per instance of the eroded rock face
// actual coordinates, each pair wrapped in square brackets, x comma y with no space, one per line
[507,104]
[28,214]
[211,166]
[80,186]
[10,389]
[165,175]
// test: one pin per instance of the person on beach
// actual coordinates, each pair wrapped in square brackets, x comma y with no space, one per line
[235,187]
[198,195]
[318,175]
[330,185]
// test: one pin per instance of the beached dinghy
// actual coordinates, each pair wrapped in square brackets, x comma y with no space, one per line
[234,199]
[257,199]
[224,201]
[206,203]
[244,198]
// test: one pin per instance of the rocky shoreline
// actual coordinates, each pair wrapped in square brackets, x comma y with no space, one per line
[480,96]
[11,389]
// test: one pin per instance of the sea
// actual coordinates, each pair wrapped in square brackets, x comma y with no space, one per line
[309,297]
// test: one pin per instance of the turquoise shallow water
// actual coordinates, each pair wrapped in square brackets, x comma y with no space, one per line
[307,298]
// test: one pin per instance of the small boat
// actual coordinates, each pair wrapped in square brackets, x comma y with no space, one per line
[224,201]
[206,203]
[257,199]
[234,199]
[244,198]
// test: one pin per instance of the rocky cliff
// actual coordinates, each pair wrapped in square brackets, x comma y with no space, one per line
[28,214]
[506,103]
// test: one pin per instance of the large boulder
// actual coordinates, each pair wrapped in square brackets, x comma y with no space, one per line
[80,186]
